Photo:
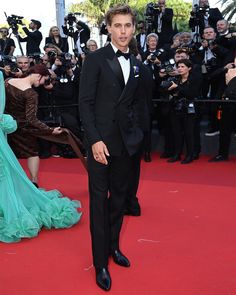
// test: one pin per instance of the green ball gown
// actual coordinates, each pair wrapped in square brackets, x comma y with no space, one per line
[24,209]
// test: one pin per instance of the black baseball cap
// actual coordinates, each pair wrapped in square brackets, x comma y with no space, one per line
[37,23]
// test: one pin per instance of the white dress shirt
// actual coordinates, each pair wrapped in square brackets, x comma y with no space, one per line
[124,63]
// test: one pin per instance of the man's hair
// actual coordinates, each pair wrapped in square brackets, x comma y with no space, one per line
[119,9]
[152,35]
[21,57]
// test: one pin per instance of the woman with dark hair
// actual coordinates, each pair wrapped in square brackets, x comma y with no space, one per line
[21,104]
[24,209]
[183,92]
[56,39]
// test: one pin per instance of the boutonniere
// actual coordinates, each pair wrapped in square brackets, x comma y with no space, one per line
[136,71]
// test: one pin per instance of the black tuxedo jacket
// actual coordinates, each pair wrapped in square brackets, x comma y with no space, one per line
[214,16]
[33,40]
[166,34]
[110,110]
[84,35]
[63,44]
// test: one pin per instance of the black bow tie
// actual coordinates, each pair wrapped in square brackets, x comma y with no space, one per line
[120,53]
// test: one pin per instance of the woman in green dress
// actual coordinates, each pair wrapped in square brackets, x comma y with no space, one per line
[24,209]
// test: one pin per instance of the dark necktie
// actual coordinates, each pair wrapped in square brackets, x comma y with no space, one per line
[120,53]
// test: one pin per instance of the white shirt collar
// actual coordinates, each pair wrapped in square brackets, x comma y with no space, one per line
[116,49]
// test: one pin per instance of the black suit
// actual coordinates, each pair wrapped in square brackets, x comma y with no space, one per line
[63,44]
[83,34]
[166,34]
[33,40]
[110,113]
[214,16]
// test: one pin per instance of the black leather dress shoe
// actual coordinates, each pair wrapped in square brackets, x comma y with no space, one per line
[103,278]
[147,157]
[219,158]
[187,160]
[174,159]
[195,156]
[120,259]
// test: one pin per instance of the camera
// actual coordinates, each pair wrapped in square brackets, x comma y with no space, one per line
[66,64]
[13,22]
[156,54]
[152,9]
[9,60]
[211,42]
[167,83]
[168,66]
[36,56]
[71,19]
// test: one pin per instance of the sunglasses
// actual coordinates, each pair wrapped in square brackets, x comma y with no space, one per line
[3,32]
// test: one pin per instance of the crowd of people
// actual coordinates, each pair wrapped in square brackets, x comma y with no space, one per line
[110,97]
[211,50]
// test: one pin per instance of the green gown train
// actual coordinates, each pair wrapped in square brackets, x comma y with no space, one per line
[24,209]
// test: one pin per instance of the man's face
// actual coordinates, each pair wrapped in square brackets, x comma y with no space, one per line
[141,27]
[185,38]
[209,34]
[221,26]
[179,56]
[152,43]
[23,64]
[203,3]
[4,32]
[121,30]
[161,3]
[92,46]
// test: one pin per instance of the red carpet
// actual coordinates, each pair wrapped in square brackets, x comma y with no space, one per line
[183,244]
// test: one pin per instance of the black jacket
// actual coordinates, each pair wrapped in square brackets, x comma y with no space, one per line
[109,112]
[33,40]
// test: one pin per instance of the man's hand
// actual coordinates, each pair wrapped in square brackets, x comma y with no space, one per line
[100,152]
[173,86]
[230,75]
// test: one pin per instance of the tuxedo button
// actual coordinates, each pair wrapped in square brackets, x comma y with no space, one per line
[114,121]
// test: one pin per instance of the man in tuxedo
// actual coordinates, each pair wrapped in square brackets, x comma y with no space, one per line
[112,114]
[33,38]
[203,16]
[163,23]
[80,36]
[141,37]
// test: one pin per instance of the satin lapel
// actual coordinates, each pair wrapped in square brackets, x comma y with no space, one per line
[132,81]
[116,69]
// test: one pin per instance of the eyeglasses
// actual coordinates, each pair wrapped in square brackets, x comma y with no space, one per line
[92,45]
[3,32]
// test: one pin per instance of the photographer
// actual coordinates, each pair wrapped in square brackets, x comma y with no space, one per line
[152,59]
[160,20]
[212,57]
[183,91]
[33,38]
[225,37]
[7,45]
[203,16]
[65,97]
[56,39]
[141,37]
[80,36]
[228,116]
